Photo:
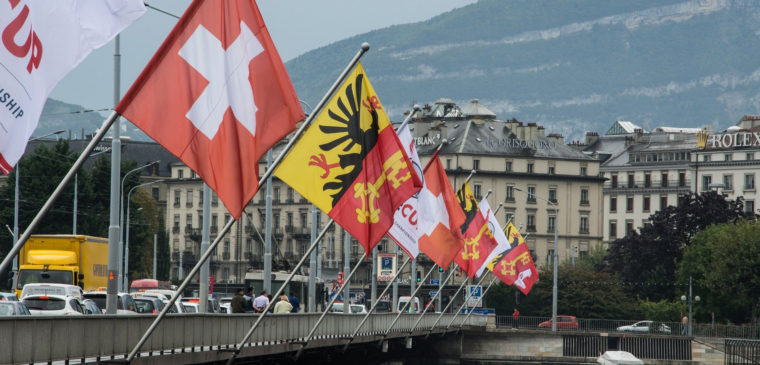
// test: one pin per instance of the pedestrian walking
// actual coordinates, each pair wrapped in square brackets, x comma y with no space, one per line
[515,318]
[684,325]
[294,302]
[261,302]
[237,305]
[283,306]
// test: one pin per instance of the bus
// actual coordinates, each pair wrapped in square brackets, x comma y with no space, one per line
[299,285]
[141,285]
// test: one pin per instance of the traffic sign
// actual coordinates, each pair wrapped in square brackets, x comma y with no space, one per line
[433,293]
[474,295]
[435,282]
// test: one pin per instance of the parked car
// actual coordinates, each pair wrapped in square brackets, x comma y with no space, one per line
[212,307]
[124,302]
[225,305]
[13,308]
[358,308]
[8,297]
[645,327]
[52,305]
[383,306]
[177,308]
[148,305]
[563,322]
[90,307]
[51,289]
[189,307]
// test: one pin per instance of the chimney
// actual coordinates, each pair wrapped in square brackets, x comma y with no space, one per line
[591,138]
[541,131]
[556,137]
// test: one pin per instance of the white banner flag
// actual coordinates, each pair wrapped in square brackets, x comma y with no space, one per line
[407,218]
[42,40]
[498,235]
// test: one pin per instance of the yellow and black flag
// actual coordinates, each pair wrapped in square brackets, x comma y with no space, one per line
[350,163]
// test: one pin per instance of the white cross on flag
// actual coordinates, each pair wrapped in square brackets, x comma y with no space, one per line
[42,40]
[217,96]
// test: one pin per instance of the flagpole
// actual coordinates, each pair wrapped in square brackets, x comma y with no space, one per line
[57,192]
[431,303]
[287,281]
[317,109]
[346,308]
[374,304]
[403,309]
[483,297]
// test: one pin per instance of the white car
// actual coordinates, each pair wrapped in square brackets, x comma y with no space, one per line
[52,289]
[53,305]
[125,304]
[643,327]
[190,307]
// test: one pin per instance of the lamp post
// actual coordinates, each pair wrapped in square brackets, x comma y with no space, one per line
[690,299]
[126,246]
[14,270]
[555,259]
[122,274]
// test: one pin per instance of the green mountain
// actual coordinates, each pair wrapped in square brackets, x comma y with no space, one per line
[572,66]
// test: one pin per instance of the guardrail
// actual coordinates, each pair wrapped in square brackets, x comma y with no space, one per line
[611,325]
[44,339]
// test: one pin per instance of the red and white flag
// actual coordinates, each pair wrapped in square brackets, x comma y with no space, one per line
[439,227]
[502,243]
[42,40]
[217,96]
[406,220]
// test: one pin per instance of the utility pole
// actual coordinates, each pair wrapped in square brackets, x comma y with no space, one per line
[113,228]
[346,270]
[395,281]
[203,282]
[268,232]
[373,288]
[313,263]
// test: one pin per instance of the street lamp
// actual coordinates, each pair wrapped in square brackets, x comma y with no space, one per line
[555,259]
[689,300]
[14,270]
[122,284]
[126,247]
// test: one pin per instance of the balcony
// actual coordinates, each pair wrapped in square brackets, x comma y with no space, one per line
[248,228]
[189,230]
[583,230]
[653,186]
[214,229]
[531,228]
[226,256]
[175,229]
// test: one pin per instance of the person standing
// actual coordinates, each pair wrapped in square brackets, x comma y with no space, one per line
[249,299]
[684,325]
[283,306]
[261,302]
[294,302]
[515,318]
[237,305]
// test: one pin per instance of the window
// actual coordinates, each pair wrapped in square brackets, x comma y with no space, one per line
[628,227]
[706,181]
[176,198]
[749,181]
[226,252]
[630,180]
[319,218]
[629,204]
[531,221]
[553,195]
[728,182]
[551,224]
[727,157]
[645,203]
[584,170]
[530,167]
[180,173]
[476,191]
[549,257]
[750,156]
[584,196]
[509,166]
[189,201]
[706,158]
[613,204]
[664,179]
[304,220]
[663,202]
[584,224]
[749,206]
[647,180]
[613,229]
[176,222]
[154,192]
[214,220]
[531,194]
[510,216]
[289,218]
[551,170]
[188,220]
[681,179]
[275,220]
[448,164]
[291,194]
[276,194]
[476,165]
[249,246]
[510,193]
[614,181]
[214,199]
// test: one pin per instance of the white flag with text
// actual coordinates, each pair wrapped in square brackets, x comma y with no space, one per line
[42,40]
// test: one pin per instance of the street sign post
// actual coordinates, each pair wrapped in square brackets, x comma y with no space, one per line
[435,282]
[386,264]
[474,295]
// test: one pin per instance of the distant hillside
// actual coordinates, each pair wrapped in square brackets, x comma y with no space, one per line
[57,115]
[571,66]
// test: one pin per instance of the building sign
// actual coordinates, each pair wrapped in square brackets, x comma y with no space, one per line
[386,263]
[539,144]
[428,140]
[729,140]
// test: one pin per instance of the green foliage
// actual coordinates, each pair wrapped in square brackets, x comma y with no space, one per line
[651,256]
[724,262]
[663,310]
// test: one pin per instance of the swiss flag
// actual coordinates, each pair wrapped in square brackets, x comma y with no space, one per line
[440,236]
[217,96]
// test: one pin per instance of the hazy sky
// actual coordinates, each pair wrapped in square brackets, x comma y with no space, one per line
[296,26]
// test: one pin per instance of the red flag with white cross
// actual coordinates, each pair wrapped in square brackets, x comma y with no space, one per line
[217,96]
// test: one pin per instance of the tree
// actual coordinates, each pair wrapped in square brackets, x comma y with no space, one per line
[724,262]
[650,257]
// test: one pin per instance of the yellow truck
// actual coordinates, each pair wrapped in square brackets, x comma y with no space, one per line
[63,259]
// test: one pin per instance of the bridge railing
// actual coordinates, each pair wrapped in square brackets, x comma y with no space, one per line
[44,339]
[611,325]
